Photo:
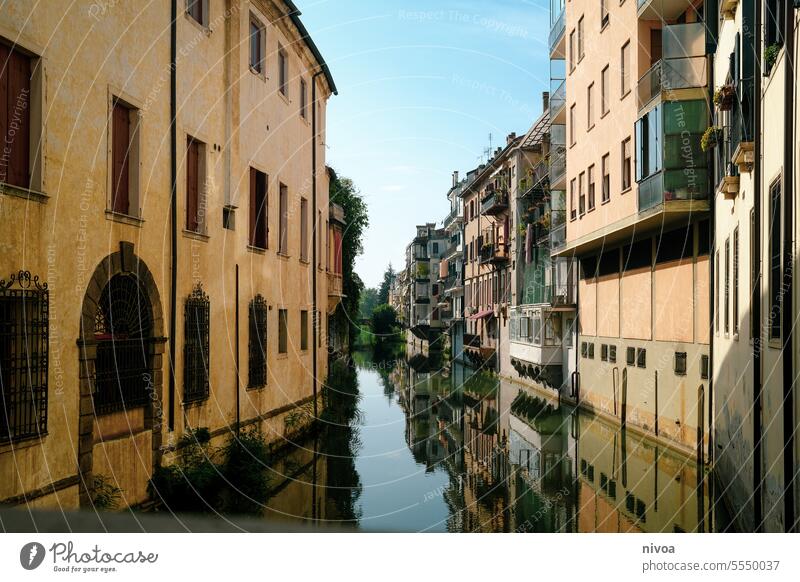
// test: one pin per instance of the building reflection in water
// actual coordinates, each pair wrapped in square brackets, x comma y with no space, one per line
[512,459]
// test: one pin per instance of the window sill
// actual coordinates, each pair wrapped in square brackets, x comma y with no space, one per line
[284,356]
[194,235]
[24,193]
[22,443]
[284,96]
[590,128]
[256,388]
[124,218]
[305,261]
[282,255]
[626,190]
[625,94]
[602,202]
[256,250]
[199,26]
[604,25]
[195,402]
[605,114]
[260,74]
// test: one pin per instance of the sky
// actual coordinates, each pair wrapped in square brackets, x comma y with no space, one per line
[422,85]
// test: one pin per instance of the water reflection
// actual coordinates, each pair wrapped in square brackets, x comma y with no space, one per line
[410,447]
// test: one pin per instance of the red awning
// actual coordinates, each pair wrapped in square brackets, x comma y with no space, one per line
[482,314]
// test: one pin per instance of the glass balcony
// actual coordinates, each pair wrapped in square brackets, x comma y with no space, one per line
[557,25]
[558,98]
[494,202]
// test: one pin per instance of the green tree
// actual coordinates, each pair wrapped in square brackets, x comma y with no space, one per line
[383,291]
[369,301]
[344,193]
[384,321]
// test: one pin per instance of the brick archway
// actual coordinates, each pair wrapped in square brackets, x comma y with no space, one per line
[123,262]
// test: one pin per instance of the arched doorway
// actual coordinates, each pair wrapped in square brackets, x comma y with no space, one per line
[121,346]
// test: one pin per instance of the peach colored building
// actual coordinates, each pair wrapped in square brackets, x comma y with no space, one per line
[638,198]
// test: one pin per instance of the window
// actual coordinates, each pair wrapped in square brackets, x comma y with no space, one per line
[604,352]
[198,11]
[283,227]
[258,209]
[626,164]
[580,38]
[753,267]
[641,358]
[717,295]
[584,350]
[590,106]
[435,249]
[15,122]
[572,125]
[304,230]
[680,363]
[612,354]
[573,213]
[283,331]
[649,145]
[630,356]
[24,309]
[304,330]
[604,12]
[257,344]
[572,54]
[303,99]
[604,101]
[124,159]
[591,350]
[624,68]
[735,290]
[283,72]
[704,367]
[257,45]
[196,322]
[775,258]
[774,22]
[581,194]
[606,186]
[727,285]
[195,180]
[591,187]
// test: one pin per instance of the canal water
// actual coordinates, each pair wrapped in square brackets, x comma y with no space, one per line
[409,446]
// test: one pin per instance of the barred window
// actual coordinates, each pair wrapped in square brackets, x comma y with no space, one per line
[257,346]
[123,332]
[196,314]
[283,331]
[24,311]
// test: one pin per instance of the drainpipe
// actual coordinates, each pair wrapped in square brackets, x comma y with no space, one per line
[755,300]
[788,277]
[315,235]
[173,208]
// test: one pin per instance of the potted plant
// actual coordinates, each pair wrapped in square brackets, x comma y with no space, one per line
[711,137]
[771,55]
[723,97]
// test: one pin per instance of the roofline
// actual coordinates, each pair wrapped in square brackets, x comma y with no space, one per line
[492,165]
[294,14]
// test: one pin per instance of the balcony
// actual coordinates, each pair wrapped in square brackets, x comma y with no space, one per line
[422,300]
[558,101]
[664,10]
[494,253]
[454,218]
[472,340]
[558,167]
[335,290]
[557,30]
[494,202]
[682,72]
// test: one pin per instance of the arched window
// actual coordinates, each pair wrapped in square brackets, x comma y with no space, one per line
[257,344]
[123,332]
[24,304]
[196,316]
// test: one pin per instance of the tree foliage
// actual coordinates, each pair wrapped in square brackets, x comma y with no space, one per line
[369,301]
[383,291]
[384,321]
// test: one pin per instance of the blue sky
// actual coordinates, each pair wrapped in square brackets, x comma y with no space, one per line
[421,87]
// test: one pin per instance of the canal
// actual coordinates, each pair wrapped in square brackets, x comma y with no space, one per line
[407,446]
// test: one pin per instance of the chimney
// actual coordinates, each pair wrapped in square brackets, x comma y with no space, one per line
[455,178]
[545,101]
[511,137]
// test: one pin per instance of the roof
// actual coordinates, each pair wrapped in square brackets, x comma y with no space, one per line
[294,14]
[538,130]
[492,165]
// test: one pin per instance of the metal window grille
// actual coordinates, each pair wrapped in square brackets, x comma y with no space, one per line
[196,346]
[591,350]
[641,358]
[257,345]
[24,312]
[604,352]
[631,356]
[123,332]
[680,363]
[612,353]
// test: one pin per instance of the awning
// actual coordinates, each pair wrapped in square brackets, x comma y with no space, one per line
[482,314]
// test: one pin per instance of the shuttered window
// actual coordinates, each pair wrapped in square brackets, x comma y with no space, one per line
[258,209]
[283,245]
[120,156]
[193,185]
[15,97]
[304,229]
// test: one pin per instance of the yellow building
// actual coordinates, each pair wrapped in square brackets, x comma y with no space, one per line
[105,283]
[636,107]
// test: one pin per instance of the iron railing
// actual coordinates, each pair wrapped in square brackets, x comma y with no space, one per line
[257,344]
[24,332]
[197,318]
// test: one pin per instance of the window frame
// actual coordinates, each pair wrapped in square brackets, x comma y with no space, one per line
[627,164]
[200,226]
[283,220]
[590,189]
[624,69]
[196,346]
[283,72]
[132,158]
[604,91]
[605,163]
[259,222]
[258,66]
[304,330]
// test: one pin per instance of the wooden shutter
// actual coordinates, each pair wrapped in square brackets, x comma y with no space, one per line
[120,136]
[284,230]
[15,104]
[192,186]
[304,229]
[253,207]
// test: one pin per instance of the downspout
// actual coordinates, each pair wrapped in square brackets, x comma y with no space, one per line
[315,235]
[755,300]
[173,208]
[788,277]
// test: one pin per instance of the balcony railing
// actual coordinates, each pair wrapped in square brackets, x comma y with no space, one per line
[472,340]
[494,202]
[557,30]
[558,228]
[454,215]
[669,75]
[558,164]
[669,185]
[335,287]
[494,253]
[558,98]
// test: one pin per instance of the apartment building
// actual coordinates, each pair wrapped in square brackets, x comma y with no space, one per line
[423,258]
[138,241]
[638,201]
[755,287]
[543,308]
[451,270]
[488,223]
